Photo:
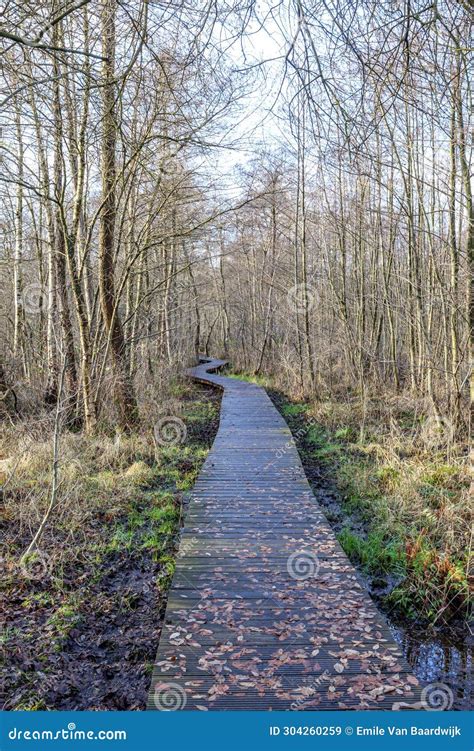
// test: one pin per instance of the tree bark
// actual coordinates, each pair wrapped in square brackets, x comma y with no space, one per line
[124,392]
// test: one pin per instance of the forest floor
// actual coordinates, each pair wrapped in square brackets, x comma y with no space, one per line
[83,620]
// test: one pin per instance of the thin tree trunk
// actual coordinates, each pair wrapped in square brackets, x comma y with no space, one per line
[124,392]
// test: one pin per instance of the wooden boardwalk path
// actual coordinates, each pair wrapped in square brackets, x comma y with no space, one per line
[265,610]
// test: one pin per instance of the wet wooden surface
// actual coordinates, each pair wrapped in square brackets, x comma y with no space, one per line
[265,610]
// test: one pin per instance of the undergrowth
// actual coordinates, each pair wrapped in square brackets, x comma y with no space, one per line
[111,538]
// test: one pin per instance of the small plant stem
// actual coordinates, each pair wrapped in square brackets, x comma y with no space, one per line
[54,485]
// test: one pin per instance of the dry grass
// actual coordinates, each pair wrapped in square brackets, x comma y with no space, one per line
[100,477]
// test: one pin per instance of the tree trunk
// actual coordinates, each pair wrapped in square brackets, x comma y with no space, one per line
[124,393]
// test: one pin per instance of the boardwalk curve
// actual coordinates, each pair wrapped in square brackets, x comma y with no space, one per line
[265,610]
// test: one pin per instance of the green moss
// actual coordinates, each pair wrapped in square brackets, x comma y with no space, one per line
[38,599]
[163,513]
[64,618]
[169,564]
[200,411]
[177,388]
[121,539]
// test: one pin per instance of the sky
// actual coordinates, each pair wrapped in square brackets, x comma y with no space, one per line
[261,50]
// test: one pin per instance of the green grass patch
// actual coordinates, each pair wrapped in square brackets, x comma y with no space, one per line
[258,379]
[375,554]
[295,410]
[63,619]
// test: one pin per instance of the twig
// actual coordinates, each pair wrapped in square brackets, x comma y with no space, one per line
[54,487]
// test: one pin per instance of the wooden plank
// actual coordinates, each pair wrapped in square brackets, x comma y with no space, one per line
[265,610]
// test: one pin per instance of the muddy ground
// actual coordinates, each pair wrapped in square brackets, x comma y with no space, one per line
[98,653]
